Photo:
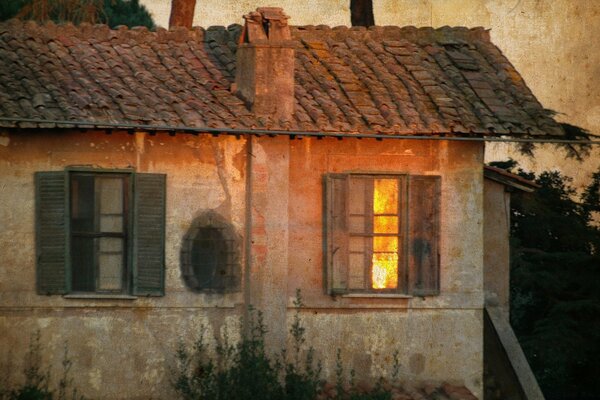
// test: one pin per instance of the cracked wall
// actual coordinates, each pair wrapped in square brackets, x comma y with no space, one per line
[439,337]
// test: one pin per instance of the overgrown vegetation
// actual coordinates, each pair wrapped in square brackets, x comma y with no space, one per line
[36,385]
[555,283]
[246,371]
[110,12]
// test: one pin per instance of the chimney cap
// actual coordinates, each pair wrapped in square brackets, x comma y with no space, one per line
[266,24]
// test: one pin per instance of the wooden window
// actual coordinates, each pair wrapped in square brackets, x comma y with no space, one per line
[99,235]
[100,232]
[382,234]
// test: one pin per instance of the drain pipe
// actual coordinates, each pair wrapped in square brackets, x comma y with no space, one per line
[248,236]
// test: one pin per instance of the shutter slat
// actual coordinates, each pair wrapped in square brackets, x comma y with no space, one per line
[149,234]
[51,234]
[424,231]
[337,233]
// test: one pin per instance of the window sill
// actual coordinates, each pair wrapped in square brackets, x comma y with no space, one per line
[378,295]
[99,296]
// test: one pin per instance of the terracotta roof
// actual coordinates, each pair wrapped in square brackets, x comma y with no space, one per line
[509,179]
[384,80]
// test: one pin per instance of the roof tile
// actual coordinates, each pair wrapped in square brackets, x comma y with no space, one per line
[387,80]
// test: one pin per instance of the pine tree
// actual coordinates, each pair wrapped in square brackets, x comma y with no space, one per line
[555,284]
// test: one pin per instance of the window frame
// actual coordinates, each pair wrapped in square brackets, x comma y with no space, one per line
[127,234]
[146,226]
[406,271]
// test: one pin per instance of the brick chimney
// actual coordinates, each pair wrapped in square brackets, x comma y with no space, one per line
[265,64]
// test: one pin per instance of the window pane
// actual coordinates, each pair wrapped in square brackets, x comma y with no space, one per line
[111,204]
[357,244]
[385,244]
[356,189]
[356,271]
[110,264]
[385,224]
[111,195]
[357,224]
[111,223]
[82,203]
[82,264]
[385,196]
[385,271]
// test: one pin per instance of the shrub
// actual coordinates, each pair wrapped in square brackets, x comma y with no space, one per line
[245,370]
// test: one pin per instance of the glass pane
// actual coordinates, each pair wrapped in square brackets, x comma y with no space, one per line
[385,271]
[385,244]
[385,224]
[357,244]
[111,223]
[356,189]
[82,203]
[385,196]
[110,264]
[111,204]
[111,195]
[356,271]
[357,224]
[82,264]
[111,245]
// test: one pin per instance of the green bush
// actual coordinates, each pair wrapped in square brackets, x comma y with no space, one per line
[245,371]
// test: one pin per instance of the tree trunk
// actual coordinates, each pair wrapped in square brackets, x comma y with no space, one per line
[182,13]
[361,13]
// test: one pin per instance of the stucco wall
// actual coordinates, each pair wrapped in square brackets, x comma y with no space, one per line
[550,42]
[496,254]
[439,337]
[123,348]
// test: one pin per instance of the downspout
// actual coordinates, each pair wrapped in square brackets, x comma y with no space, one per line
[248,236]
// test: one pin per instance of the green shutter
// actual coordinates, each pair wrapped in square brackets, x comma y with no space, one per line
[337,233]
[424,232]
[149,235]
[51,232]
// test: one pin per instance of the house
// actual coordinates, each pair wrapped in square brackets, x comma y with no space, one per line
[157,183]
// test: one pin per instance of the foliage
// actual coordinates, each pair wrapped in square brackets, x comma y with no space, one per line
[555,283]
[245,370]
[577,151]
[37,378]
[111,12]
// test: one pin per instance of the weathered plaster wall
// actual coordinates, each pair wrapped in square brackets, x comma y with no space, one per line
[121,348]
[550,42]
[438,337]
[496,255]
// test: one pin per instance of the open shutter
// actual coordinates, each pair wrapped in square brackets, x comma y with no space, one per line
[337,233]
[424,232]
[51,232]
[149,234]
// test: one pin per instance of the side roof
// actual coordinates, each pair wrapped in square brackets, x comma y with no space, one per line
[381,80]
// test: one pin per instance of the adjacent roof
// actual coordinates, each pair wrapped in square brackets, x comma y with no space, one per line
[509,179]
[384,80]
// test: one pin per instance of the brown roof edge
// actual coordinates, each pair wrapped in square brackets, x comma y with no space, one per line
[509,179]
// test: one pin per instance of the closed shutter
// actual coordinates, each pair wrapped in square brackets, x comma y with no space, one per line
[149,234]
[424,232]
[337,234]
[51,232]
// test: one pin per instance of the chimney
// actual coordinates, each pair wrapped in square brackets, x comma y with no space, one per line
[265,64]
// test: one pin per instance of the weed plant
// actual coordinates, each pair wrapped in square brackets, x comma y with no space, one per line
[37,378]
[245,371]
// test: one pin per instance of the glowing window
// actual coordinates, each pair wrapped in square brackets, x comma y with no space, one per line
[382,233]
